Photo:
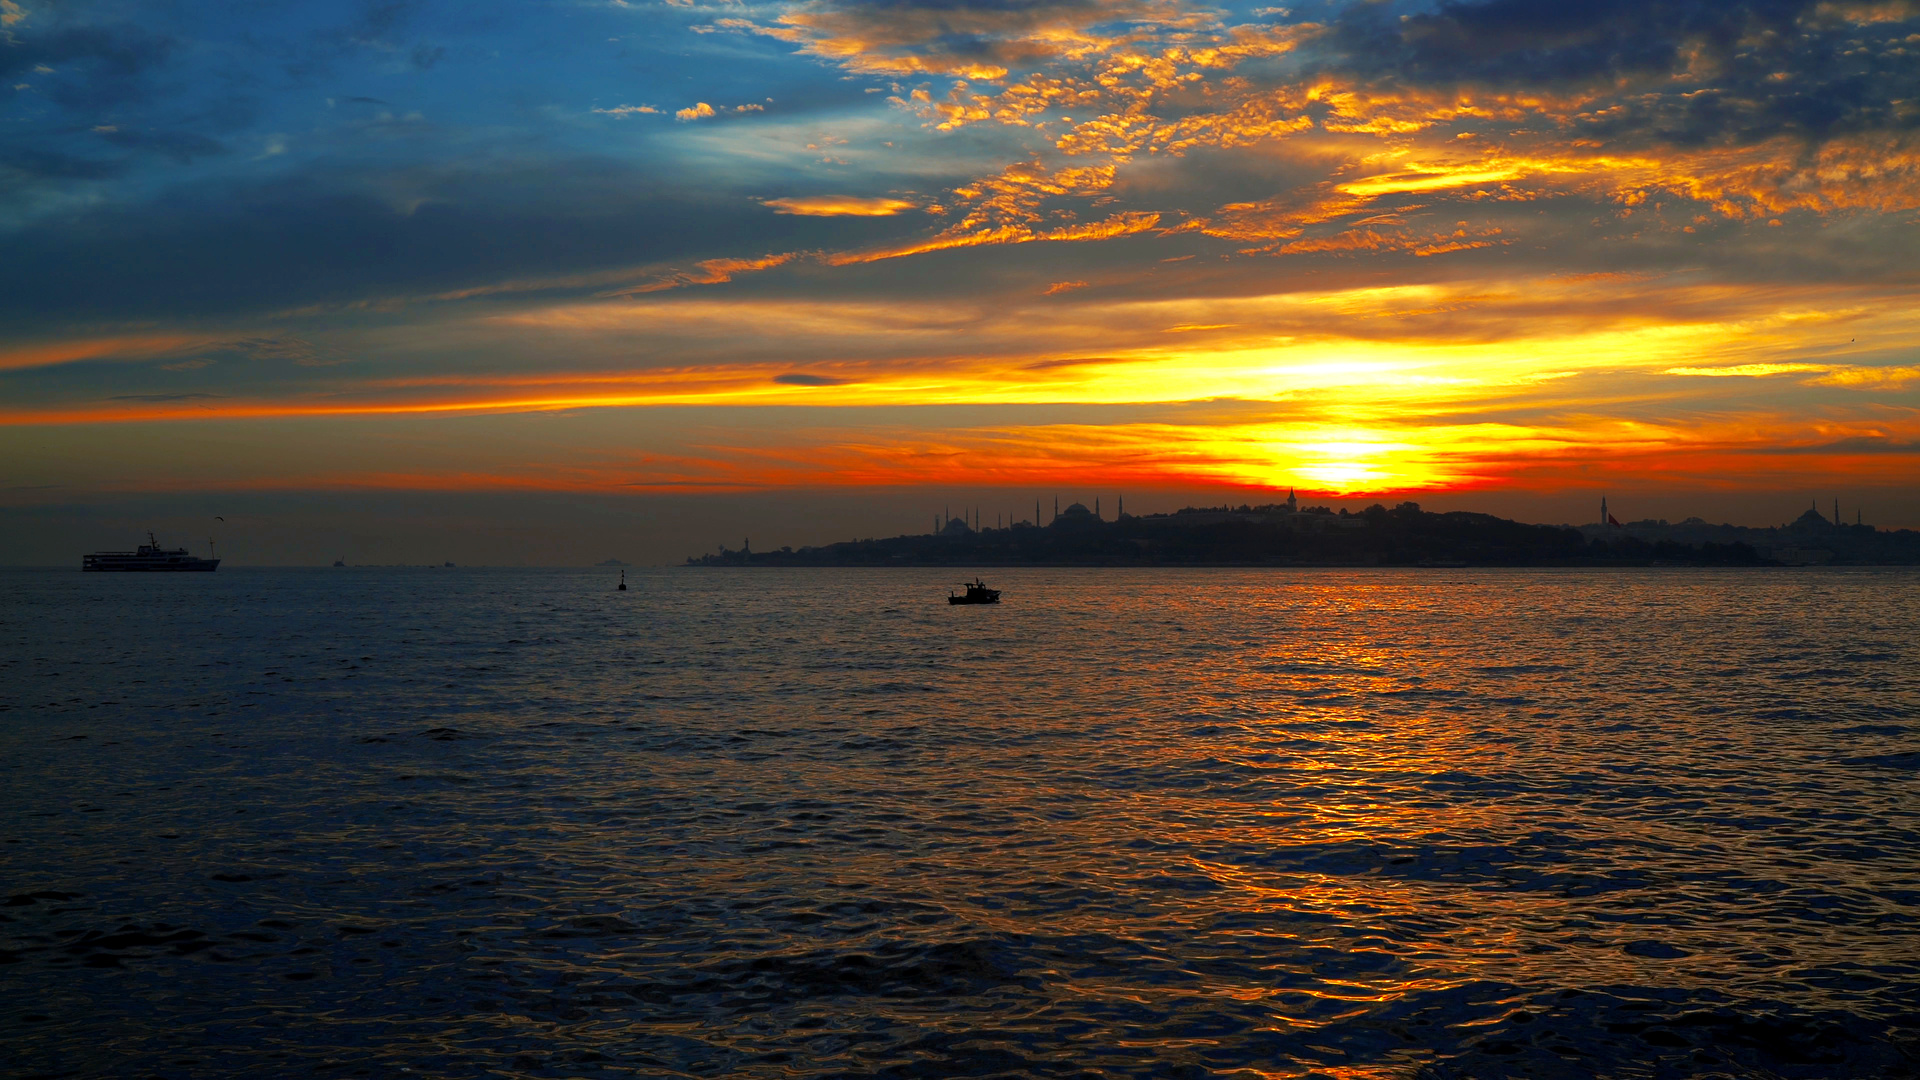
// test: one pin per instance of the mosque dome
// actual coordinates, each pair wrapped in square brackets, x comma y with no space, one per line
[1075,516]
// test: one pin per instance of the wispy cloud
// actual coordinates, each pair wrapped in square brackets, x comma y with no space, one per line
[124,348]
[1747,370]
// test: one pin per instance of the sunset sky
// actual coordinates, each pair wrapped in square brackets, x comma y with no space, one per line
[648,273]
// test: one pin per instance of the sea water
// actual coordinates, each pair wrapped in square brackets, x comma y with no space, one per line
[810,823]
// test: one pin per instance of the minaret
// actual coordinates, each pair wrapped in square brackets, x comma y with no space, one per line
[1293,504]
[1120,511]
[1036,513]
[1056,507]
[1096,507]
[1836,513]
[1603,510]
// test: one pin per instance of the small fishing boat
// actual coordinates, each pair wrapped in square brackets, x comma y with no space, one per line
[977,593]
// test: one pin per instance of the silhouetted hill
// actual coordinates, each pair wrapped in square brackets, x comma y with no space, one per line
[1403,536]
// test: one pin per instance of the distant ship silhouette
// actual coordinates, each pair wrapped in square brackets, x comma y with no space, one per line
[150,556]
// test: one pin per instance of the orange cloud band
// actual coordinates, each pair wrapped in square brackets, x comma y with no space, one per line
[1374,458]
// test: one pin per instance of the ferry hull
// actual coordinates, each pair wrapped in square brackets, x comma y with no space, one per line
[135,564]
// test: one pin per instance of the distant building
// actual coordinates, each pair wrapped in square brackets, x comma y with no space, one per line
[1074,517]
[1813,519]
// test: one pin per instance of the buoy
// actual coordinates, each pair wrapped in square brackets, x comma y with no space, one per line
[623,581]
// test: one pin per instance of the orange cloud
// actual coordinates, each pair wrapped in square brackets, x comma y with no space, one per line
[1126,223]
[837,206]
[707,272]
[128,347]
[1748,370]
[1140,95]
[1431,178]
[1168,85]
[972,42]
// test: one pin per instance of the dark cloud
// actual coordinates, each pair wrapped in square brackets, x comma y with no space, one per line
[97,94]
[956,36]
[378,18]
[93,66]
[1861,445]
[797,378]
[26,169]
[342,237]
[1692,71]
[22,166]
[314,53]
[295,349]
[1553,41]
[162,397]
[1077,361]
[181,146]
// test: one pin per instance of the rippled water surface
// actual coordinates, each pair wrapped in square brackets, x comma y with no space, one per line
[819,823]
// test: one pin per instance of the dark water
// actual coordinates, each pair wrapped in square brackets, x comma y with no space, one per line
[788,824]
